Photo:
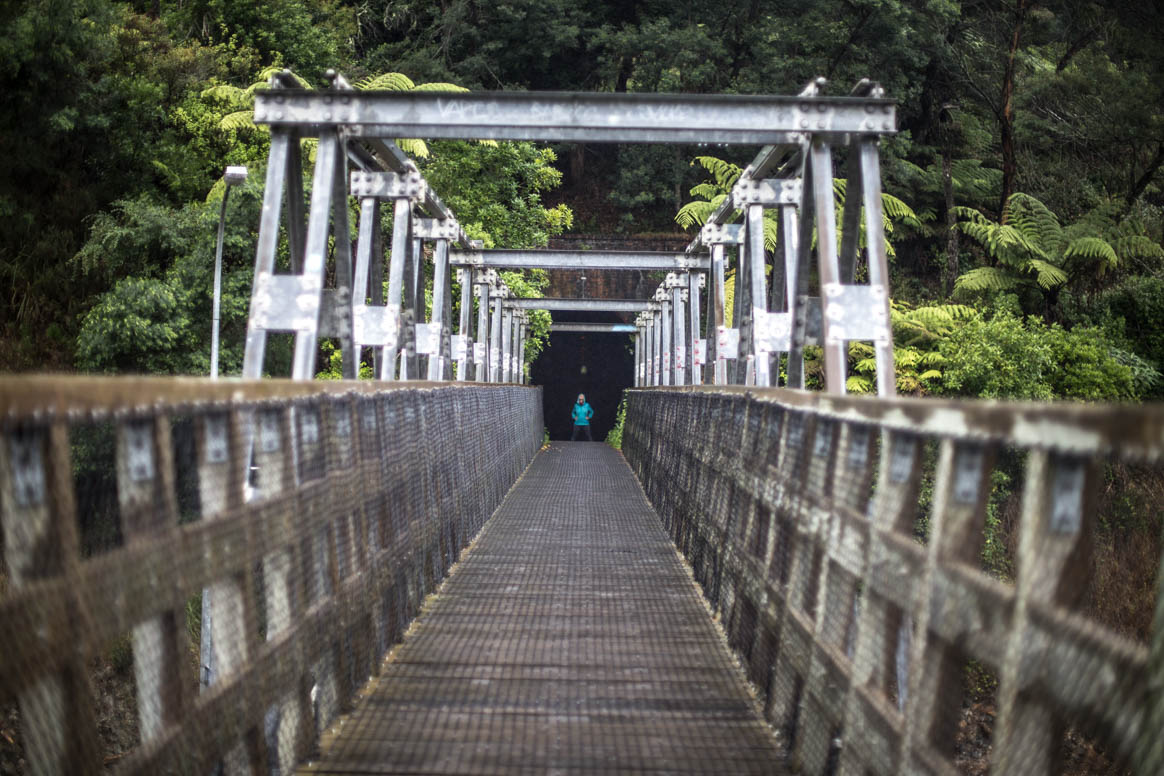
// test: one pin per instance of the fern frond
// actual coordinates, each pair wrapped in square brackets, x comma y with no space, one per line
[930,374]
[239,119]
[224,92]
[1034,220]
[1138,246]
[1048,275]
[858,384]
[771,231]
[706,190]
[1095,249]
[439,86]
[932,358]
[413,146]
[866,366]
[390,82]
[725,173]
[697,212]
[970,214]
[984,279]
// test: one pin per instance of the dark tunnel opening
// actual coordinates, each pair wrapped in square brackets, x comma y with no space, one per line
[599,365]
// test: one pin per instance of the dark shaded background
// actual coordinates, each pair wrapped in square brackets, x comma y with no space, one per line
[609,363]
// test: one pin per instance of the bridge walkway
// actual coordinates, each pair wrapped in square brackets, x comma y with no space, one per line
[570,639]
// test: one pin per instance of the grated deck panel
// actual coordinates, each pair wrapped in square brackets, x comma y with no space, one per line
[570,640]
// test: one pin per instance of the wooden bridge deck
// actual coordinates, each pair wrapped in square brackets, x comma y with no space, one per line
[569,640]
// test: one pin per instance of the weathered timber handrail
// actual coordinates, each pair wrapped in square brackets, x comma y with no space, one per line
[800,515]
[310,518]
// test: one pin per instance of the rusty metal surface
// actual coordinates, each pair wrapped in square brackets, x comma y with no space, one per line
[570,640]
[314,516]
[859,611]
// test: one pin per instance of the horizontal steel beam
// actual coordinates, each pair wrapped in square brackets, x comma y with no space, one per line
[597,328]
[591,305]
[580,260]
[577,116]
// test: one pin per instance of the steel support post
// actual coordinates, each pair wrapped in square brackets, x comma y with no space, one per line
[278,164]
[464,349]
[401,245]
[437,322]
[878,261]
[495,340]
[820,158]
[484,338]
[648,351]
[638,355]
[678,297]
[784,277]
[374,325]
[506,342]
[758,296]
[693,279]
[715,322]
[797,280]
[657,328]
[666,330]
[524,332]
[413,308]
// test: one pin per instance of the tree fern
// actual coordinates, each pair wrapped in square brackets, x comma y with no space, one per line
[992,279]
[1095,250]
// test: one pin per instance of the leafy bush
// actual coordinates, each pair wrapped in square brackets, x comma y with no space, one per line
[1005,357]
[614,436]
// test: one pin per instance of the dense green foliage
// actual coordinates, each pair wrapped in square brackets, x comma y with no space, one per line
[1022,192]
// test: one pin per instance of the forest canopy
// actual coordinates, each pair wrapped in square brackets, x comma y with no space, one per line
[1027,165]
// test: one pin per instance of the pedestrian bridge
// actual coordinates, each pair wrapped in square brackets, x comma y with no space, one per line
[265,576]
[405,580]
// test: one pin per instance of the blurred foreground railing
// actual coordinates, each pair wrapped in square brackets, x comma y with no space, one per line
[841,540]
[292,528]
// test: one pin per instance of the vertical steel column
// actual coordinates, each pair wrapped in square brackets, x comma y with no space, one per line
[665,329]
[506,342]
[798,271]
[638,353]
[716,318]
[679,349]
[440,279]
[495,339]
[784,277]
[464,277]
[693,279]
[878,261]
[820,158]
[523,332]
[481,346]
[401,242]
[652,346]
[278,165]
[413,307]
[758,344]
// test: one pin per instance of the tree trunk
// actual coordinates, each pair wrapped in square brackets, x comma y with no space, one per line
[950,269]
[1006,115]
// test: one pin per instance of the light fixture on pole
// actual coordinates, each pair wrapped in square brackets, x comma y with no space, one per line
[234,176]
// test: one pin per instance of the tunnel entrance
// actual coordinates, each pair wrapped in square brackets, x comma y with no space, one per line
[597,364]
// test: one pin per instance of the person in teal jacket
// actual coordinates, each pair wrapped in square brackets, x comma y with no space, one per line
[582,414]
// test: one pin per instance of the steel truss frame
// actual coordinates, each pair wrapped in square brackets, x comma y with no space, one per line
[771,324]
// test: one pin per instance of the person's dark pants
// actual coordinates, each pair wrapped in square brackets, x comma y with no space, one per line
[586,428]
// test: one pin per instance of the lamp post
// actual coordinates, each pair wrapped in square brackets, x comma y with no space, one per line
[234,176]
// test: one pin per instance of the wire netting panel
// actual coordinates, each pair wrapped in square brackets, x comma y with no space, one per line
[203,574]
[917,586]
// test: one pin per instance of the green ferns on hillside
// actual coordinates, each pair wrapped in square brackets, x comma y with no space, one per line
[1030,250]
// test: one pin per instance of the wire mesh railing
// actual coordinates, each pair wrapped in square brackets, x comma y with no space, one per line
[202,574]
[880,593]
